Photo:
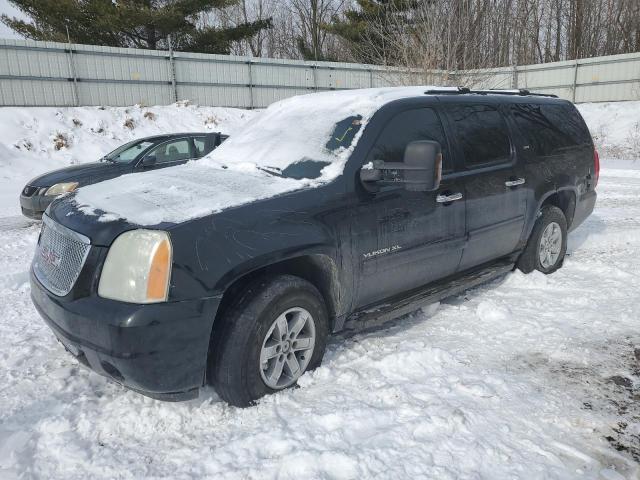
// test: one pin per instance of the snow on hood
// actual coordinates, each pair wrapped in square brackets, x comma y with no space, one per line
[308,128]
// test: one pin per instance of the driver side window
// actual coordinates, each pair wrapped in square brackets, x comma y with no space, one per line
[406,127]
[174,151]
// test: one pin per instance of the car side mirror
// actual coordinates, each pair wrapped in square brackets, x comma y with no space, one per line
[149,161]
[420,171]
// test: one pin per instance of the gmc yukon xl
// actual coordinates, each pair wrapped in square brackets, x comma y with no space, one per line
[327,208]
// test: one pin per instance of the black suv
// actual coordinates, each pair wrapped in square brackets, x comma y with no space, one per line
[330,207]
[140,155]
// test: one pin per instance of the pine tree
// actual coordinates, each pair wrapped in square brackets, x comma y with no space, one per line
[360,26]
[130,23]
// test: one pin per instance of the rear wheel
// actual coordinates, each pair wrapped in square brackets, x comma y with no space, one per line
[547,244]
[276,331]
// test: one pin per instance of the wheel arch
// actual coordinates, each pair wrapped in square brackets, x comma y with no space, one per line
[563,198]
[318,269]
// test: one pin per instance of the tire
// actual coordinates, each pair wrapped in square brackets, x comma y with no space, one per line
[551,219]
[236,368]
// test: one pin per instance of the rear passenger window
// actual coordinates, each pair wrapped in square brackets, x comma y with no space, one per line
[175,151]
[482,134]
[201,145]
[550,129]
[407,127]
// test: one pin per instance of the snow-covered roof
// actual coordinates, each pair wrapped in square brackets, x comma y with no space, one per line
[288,132]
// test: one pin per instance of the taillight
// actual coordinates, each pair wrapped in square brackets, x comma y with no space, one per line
[596,167]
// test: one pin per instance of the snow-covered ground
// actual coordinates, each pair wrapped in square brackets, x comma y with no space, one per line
[528,377]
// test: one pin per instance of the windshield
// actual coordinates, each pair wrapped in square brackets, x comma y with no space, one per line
[308,137]
[128,152]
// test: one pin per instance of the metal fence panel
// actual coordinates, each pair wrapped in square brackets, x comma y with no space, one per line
[284,76]
[195,70]
[119,94]
[47,73]
[34,62]
[222,96]
[35,93]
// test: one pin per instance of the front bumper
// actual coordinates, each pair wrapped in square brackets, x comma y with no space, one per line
[33,207]
[159,350]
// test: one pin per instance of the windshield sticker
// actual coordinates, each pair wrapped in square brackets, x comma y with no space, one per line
[344,132]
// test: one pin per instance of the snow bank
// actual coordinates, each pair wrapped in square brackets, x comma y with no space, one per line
[36,140]
[615,127]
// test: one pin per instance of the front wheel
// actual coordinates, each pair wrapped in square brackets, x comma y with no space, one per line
[276,331]
[547,244]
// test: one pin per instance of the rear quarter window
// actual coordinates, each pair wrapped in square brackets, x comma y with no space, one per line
[550,129]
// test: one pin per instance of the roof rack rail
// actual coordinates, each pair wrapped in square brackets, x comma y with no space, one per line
[518,91]
[465,90]
[448,91]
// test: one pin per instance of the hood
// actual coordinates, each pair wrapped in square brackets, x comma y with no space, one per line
[76,173]
[177,194]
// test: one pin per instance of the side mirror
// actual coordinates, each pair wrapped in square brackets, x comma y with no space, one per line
[420,171]
[149,161]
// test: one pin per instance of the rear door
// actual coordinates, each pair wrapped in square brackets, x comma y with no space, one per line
[493,182]
[170,153]
[557,150]
[402,239]
[205,144]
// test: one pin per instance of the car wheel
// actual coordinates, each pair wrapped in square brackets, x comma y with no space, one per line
[547,244]
[275,331]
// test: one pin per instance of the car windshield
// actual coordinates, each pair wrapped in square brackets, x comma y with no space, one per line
[128,152]
[308,137]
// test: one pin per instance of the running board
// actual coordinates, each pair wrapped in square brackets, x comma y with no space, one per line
[446,288]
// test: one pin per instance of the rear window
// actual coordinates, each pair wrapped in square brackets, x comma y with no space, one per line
[482,134]
[550,129]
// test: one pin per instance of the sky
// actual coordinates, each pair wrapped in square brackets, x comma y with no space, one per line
[5,7]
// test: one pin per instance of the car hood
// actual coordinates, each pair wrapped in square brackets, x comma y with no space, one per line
[74,173]
[178,194]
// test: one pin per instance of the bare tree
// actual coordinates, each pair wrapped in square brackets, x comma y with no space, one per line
[312,15]
[440,35]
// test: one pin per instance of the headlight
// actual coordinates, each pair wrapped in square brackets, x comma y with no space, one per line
[137,268]
[60,188]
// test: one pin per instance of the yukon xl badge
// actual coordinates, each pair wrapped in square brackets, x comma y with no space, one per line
[50,257]
[382,251]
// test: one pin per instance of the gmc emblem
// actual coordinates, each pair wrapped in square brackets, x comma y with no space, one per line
[50,257]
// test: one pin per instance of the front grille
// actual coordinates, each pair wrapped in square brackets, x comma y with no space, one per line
[60,256]
[29,190]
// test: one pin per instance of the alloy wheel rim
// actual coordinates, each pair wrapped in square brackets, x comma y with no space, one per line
[550,245]
[287,348]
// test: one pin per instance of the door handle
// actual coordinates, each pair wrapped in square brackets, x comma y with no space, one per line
[449,198]
[515,182]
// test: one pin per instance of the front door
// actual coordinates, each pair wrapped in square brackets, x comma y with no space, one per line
[402,239]
[494,185]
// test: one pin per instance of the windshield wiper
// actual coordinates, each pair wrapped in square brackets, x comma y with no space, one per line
[276,172]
